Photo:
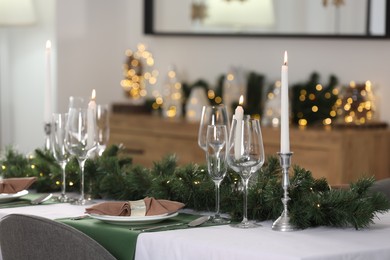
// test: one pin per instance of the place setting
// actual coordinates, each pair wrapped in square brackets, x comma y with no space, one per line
[13,188]
[148,214]
[118,224]
[146,211]
[14,192]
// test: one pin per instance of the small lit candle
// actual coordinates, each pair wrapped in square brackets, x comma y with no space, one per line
[91,117]
[48,105]
[238,115]
[284,124]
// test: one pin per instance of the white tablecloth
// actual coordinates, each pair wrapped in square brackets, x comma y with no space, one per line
[51,211]
[225,242]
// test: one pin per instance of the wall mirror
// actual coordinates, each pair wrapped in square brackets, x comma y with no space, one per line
[272,18]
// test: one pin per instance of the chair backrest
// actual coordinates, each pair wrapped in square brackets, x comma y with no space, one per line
[33,237]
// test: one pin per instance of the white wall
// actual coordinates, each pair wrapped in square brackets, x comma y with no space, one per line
[199,57]
[25,68]
[92,36]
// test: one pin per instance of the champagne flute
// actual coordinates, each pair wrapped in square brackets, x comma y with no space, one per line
[103,127]
[81,140]
[216,142]
[245,156]
[59,150]
[211,115]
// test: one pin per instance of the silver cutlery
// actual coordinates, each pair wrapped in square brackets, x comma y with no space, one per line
[41,199]
[194,223]
[79,217]
[198,221]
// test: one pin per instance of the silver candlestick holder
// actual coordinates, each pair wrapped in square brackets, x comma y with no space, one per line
[283,222]
[47,129]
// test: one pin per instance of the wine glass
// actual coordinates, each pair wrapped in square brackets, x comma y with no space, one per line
[245,156]
[81,139]
[59,150]
[211,115]
[216,143]
[103,127]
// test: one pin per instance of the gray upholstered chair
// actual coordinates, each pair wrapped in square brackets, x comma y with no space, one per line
[382,186]
[33,237]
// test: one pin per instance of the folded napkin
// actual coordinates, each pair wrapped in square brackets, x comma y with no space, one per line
[14,185]
[146,207]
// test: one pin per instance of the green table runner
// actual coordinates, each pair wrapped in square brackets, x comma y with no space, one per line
[25,201]
[119,240]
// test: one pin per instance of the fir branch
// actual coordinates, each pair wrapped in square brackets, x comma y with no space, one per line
[166,166]
[14,164]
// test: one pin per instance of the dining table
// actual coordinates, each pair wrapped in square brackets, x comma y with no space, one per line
[220,241]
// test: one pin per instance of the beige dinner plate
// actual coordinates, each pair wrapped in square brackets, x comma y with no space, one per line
[129,220]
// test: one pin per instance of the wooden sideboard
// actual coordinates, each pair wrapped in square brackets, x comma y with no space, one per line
[341,156]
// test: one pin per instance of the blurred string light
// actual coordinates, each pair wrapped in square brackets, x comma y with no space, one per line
[271,116]
[138,72]
[356,104]
[213,97]
[315,103]
[234,84]
[302,122]
[172,96]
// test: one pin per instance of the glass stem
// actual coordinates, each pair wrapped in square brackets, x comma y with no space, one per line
[63,184]
[82,163]
[217,184]
[245,211]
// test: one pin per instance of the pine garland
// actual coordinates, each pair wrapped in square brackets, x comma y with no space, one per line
[113,176]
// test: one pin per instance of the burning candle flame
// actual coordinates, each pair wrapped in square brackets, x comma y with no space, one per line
[93,96]
[241,100]
[48,44]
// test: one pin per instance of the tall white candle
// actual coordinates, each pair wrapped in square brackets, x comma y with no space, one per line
[48,98]
[284,124]
[91,120]
[238,115]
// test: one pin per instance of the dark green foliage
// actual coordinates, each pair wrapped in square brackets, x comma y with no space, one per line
[188,87]
[255,85]
[47,169]
[219,88]
[266,192]
[112,176]
[313,203]
[110,179]
[190,183]
[324,99]
[138,182]
[15,165]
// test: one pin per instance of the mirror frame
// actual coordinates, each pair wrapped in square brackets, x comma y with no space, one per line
[149,29]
